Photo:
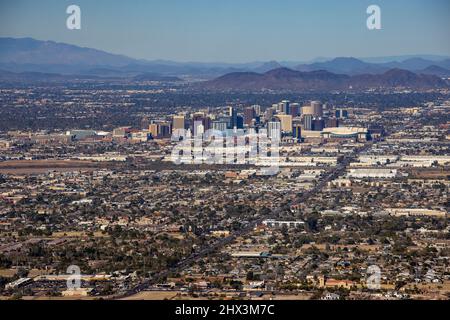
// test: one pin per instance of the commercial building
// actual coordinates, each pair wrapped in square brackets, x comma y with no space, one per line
[286,122]
[307,121]
[249,115]
[178,122]
[355,133]
[372,173]
[315,109]
[297,131]
[274,130]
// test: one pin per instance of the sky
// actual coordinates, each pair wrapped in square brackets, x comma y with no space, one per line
[236,31]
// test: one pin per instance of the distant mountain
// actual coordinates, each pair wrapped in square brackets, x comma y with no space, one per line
[30,55]
[322,80]
[345,65]
[267,66]
[386,59]
[410,64]
[436,71]
[31,51]
[353,66]
[397,78]
[155,77]
[8,76]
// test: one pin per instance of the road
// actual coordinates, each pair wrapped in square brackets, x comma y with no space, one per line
[333,174]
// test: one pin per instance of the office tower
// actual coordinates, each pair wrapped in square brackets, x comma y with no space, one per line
[178,122]
[164,130]
[249,115]
[257,109]
[318,124]
[145,123]
[233,117]
[205,120]
[198,128]
[307,122]
[307,110]
[153,129]
[274,130]
[239,122]
[295,110]
[285,107]
[225,119]
[195,120]
[341,113]
[332,123]
[269,113]
[297,131]
[286,122]
[317,108]
[219,125]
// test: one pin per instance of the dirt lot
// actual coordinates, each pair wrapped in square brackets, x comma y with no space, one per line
[42,166]
[152,295]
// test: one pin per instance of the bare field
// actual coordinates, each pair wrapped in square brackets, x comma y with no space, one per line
[152,295]
[42,166]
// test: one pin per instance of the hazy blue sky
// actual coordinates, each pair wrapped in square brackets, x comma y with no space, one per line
[236,31]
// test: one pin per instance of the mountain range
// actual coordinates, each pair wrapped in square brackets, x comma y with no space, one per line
[321,80]
[31,55]
[353,66]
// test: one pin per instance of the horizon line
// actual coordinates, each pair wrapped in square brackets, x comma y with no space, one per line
[313,60]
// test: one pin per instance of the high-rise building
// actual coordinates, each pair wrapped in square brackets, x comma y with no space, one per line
[295,110]
[239,122]
[178,122]
[307,122]
[269,113]
[233,117]
[145,123]
[317,108]
[286,122]
[249,115]
[164,130]
[257,109]
[284,106]
[332,123]
[341,113]
[198,128]
[318,124]
[153,129]
[274,130]
[297,131]
[307,110]
[204,119]
[219,125]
